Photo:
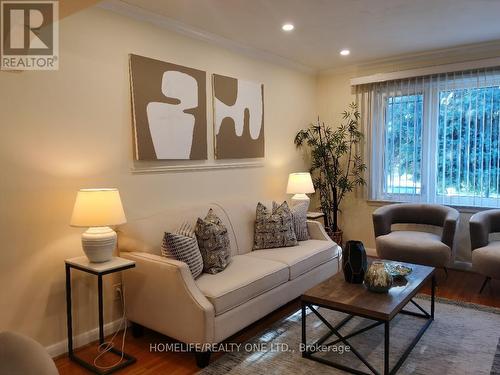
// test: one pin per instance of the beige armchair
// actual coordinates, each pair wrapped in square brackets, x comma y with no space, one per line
[485,253]
[415,246]
[22,355]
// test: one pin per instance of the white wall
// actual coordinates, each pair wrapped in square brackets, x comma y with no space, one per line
[71,128]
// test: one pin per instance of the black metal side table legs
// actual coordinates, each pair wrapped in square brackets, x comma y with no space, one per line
[127,359]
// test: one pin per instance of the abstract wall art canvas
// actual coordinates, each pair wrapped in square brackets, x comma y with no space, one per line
[238,118]
[169,110]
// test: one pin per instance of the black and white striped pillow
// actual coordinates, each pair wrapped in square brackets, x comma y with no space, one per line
[183,246]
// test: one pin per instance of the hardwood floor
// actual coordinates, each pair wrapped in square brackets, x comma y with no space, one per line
[460,286]
[464,286]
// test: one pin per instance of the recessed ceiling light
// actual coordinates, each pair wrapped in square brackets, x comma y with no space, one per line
[287,27]
[345,52]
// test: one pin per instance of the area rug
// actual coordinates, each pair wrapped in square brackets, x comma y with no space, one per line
[463,339]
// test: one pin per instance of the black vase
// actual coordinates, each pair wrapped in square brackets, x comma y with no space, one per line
[354,262]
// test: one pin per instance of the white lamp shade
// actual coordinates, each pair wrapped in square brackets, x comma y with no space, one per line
[300,183]
[98,208]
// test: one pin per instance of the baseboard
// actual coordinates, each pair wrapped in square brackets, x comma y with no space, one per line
[82,339]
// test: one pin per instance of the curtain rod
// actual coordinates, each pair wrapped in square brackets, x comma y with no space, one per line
[437,69]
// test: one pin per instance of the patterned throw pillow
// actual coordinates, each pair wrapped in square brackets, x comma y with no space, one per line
[213,241]
[299,217]
[273,229]
[183,246]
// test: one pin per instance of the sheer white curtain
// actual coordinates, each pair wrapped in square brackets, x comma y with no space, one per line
[434,138]
[364,100]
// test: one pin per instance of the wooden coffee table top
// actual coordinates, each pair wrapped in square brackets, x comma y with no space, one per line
[337,294]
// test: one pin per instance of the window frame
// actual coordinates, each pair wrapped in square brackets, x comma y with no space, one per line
[385,100]
[431,91]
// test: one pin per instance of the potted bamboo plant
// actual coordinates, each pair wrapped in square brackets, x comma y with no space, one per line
[336,165]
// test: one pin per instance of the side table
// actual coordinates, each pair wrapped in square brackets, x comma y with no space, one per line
[116,264]
[316,216]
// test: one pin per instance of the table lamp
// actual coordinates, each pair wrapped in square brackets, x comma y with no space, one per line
[300,184]
[98,209]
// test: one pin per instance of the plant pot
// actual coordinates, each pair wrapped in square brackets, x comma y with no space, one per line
[336,236]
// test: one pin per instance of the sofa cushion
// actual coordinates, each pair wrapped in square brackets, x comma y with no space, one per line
[273,228]
[244,278]
[213,241]
[413,247]
[183,246]
[486,260]
[299,220]
[301,258]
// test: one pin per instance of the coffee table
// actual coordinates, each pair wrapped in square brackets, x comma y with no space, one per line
[355,300]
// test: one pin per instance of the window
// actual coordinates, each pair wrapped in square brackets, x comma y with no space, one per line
[468,135]
[403,144]
[437,139]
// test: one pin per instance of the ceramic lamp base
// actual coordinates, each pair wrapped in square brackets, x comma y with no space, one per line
[300,198]
[98,244]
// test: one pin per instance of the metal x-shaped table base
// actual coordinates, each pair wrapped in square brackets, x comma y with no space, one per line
[334,330]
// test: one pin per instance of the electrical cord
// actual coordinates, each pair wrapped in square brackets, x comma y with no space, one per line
[106,346]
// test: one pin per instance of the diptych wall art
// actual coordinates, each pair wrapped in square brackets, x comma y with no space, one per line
[169,110]
[238,118]
[169,106]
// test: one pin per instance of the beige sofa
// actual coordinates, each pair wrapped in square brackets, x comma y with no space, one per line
[162,295]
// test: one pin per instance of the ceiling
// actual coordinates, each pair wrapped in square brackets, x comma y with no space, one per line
[68,7]
[371,29]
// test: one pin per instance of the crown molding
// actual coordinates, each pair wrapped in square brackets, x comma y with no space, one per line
[339,70]
[140,14]
[460,53]
[426,71]
[463,52]
[457,54]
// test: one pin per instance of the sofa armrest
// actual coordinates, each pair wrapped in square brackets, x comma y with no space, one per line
[480,227]
[161,294]
[382,219]
[317,231]
[449,226]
